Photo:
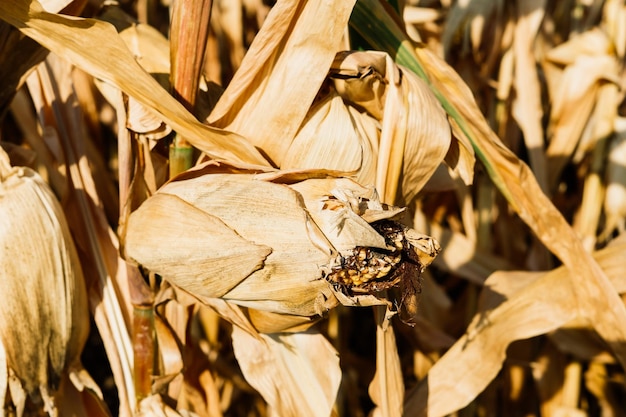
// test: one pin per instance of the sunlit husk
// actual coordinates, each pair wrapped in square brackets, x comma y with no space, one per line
[44,315]
[267,217]
[415,135]
[338,137]
[257,243]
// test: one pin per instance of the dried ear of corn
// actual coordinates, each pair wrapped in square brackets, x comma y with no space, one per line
[43,316]
[269,245]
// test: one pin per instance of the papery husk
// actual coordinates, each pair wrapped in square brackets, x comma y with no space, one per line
[269,216]
[256,243]
[336,137]
[415,134]
[44,317]
[281,74]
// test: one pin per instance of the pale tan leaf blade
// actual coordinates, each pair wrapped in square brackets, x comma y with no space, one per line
[387,387]
[428,136]
[90,45]
[534,303]
[298,374]
[271,93]
[414,134]
[189,247]
[475,359]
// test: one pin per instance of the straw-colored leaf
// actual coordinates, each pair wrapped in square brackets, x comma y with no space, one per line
[271,93]
[387,387]
[90,45]
[428,137]
[516,305]
[298,374]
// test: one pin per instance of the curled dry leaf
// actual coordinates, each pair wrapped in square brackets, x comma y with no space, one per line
[415,134]
[44,315]
[264,245]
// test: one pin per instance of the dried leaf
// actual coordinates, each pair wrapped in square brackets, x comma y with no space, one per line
[297,374]
[281,73]
[515,305]
[415,134]
[89,44]
[387,387]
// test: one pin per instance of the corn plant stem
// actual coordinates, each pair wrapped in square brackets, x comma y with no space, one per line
[189,33]
[143,349]
[180,157]
[512,177]
[141,296]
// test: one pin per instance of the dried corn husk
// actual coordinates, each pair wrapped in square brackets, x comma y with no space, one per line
[336,137]
[44,316]
[415,134]
[255,242]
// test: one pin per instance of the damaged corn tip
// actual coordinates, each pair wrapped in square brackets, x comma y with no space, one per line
[371,269]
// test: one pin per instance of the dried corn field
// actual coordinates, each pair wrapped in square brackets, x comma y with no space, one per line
[245,208]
